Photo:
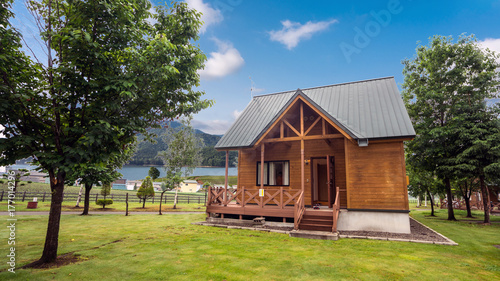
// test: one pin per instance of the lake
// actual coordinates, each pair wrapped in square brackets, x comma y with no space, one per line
[130,172]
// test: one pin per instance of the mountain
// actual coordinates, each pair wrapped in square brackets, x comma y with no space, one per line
[147,151]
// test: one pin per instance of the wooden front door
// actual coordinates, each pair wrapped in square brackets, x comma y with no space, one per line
[330,163]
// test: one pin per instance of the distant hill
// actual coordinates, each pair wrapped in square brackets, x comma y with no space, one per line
[147,151]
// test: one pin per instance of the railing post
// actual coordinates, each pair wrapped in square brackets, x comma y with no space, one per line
[209,196]
[243,197]
[281,197]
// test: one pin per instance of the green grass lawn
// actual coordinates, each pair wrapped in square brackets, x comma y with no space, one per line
[168,247]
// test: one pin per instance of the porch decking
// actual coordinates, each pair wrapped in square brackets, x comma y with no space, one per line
[279,203]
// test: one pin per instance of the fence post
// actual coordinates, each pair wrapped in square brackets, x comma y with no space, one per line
[198,199]
[43,199]
[112,196]
[126,204]
[24,195]
[96,196]
[153,200]
[1,198]
[188,198]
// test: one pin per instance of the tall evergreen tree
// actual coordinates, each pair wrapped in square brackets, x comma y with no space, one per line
[439,81]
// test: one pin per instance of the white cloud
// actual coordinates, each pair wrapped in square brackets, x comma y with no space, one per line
[236,113]
[210,16]
[293,32]
[1,131]
[225,61]
[492,44]
[214,127]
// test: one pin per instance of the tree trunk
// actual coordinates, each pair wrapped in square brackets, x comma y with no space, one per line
[161,199]
[486,202]
[175,199]
[451,215]
[79,197]
[467,205]
[432,203]
[86,203]
[144,203]
[52,237]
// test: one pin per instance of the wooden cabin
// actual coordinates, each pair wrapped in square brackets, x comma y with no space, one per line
[329,158]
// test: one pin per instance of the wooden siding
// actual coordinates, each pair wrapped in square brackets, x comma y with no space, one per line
[248,158]
[376,176]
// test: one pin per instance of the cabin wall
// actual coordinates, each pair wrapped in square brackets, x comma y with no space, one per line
[376,176]
[248,158]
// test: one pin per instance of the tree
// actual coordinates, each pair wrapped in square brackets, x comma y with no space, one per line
[18,175]
[423,183]
[154,173]
[466,186]
[106,189]
[480,137]
[91,174]
[109,74]
[439,81]
[182,154]
[146,191]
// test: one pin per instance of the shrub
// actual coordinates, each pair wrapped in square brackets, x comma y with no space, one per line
[1,181]
[29,181]
[104,202]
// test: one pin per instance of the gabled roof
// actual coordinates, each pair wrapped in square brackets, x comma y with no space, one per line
[369,109]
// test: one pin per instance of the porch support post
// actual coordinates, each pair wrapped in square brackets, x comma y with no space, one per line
[302,168]
[226,178]
[262,147]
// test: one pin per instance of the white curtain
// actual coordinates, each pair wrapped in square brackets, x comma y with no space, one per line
[285,173]
[272,173]
[258,173]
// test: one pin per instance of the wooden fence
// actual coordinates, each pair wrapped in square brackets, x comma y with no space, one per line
[45,197]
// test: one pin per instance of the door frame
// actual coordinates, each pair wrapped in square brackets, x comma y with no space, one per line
[314,178]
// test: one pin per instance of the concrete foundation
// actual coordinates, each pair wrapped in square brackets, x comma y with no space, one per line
[386,221]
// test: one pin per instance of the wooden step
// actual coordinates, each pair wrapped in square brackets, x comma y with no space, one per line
[316,227]
[307,220]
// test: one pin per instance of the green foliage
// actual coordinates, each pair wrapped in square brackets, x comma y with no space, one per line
[104,202]
[146,190]
[154,173]
[29,182]
[106,189]
[445,88]
[109,75]
[182,152]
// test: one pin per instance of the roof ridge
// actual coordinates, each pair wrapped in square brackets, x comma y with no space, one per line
[325,86]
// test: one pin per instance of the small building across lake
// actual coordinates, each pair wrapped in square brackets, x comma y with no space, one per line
[329,158]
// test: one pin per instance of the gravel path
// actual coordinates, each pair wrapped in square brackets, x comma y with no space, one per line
[418,233]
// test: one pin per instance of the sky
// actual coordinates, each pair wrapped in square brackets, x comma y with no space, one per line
[260,47]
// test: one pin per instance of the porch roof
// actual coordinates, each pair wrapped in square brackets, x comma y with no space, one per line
[369,109]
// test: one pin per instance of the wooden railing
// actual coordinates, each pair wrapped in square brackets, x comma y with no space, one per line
[299,211]
[242,197]
[336,209]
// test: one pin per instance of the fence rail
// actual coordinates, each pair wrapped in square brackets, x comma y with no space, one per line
[45,197]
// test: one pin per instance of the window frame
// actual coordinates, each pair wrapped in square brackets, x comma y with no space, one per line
[268,171]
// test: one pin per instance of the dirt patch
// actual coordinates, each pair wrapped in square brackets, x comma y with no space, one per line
[496,246]
[61,260]
[418,232]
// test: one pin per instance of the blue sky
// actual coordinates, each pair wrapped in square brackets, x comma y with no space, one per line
[285,45]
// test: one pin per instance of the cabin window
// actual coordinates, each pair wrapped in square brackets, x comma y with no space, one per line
[276,173]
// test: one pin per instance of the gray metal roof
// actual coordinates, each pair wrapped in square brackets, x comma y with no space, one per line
[369,109]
